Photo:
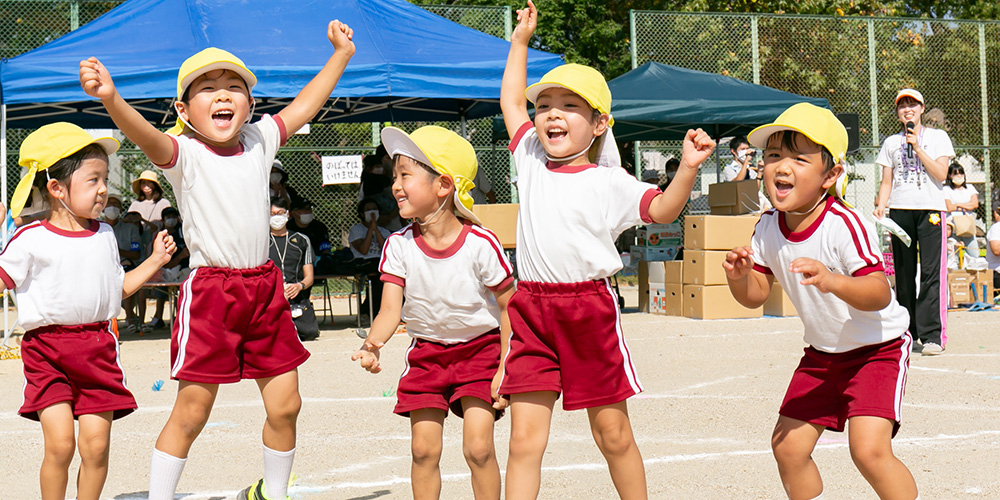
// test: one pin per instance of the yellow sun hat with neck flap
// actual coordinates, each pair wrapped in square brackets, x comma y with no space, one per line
[46,146]
[208,60]
[583,81]
[444,151]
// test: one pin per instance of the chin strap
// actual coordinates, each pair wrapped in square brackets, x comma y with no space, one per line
[49,178]
[180,130]
[573,156]
[807,212]
[434,216]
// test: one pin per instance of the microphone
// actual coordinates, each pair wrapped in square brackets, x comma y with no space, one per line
[909,147]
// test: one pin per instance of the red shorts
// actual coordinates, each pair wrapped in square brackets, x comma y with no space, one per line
[439,375]
[827,388]
[233,324]
[79,364]
[567,337]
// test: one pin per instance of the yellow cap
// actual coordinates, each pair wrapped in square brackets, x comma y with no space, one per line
[909,93]
[47,145]
[584,81]
[203,62]
[444,151]
[820,125]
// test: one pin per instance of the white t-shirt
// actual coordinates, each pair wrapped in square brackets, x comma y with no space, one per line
[912,187]
[569,217]
[449,293]
[223,197]
[358,232]
[483,186]
[63,277]
[993,261]
[733,169]
[847,245]
[962,195]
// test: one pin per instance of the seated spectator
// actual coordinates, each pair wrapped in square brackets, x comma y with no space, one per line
[304,221]
[376,183]
[650,176]
[993,247]
[135,305]
[150,201]
[129,251]
[961,200]
[279,184]
[367,239]
[292,253]
[743,166]
[174,271]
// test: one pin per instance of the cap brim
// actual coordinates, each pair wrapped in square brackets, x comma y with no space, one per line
[533,91]
[397,142]
[244,73]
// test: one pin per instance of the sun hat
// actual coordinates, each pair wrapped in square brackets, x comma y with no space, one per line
[650,174]
[582,80]
[146,175]
[46,146]
[820,125]
[116,196]
[909,93]
[207,60]
[444,151]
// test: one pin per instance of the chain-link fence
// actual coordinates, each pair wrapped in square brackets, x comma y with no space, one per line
[26,24]
[858,64]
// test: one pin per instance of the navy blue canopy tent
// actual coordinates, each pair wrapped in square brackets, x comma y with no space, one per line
[661,102]
[409,65]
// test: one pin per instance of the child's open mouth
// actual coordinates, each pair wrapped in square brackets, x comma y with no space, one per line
[556,134]
[782,188]
[222,118]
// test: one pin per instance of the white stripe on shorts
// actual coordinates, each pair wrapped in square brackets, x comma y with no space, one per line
[183,323]
[627,365]
[901,376]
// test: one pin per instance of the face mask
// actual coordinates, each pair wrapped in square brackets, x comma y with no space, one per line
[112,213]
[958,180]
[275,177]
[170,222]
[377,170]
[278,221]
[742,155]
[670,175]
[371,215]
[306,218]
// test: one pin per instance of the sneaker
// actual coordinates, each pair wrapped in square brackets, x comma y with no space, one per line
[254,492]
[132,328]
[931,349]
[153,325]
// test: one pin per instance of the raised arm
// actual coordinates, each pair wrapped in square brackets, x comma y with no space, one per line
[96,82]
[513,103]
[312,97]
[667,206]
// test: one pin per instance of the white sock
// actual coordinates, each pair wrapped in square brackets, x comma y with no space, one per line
[164,473]
[277,470]
[820,497]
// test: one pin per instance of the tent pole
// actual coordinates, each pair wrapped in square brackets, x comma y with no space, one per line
[461,126]
[3,225]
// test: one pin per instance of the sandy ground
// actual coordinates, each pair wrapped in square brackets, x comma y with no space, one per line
[712,390]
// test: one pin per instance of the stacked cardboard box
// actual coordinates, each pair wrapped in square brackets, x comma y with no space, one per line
[664,290]
[707,239]
[734,198]
[501,218]
[962,282]
[657,242]
[778,303]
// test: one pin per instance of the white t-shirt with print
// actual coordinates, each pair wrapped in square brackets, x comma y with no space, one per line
[846,244]
[223,196]
[63,277]
[912,187]
[449,293]
[569,217]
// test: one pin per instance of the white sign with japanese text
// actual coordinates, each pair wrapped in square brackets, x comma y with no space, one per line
[341,169]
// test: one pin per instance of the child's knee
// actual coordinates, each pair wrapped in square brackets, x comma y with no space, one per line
[478,451]
[286,412]
[787,452]
[425,451]
[60,449]
[525,443]
[868,455]
[94,448]
[614,439]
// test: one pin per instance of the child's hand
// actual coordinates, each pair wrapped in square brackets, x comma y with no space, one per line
[340,35]
[527,21]
[499,402]
[95,79]
[368,355]
[738,263]
[815,273]
[163,247]
[698,146]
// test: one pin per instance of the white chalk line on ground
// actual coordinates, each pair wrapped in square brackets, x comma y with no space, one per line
[948,370]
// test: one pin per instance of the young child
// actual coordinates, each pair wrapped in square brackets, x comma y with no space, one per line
[566,329]
[70,352]
[456,282]
[827,260]
[219,166]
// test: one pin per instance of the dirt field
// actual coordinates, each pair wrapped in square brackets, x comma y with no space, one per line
[712,390]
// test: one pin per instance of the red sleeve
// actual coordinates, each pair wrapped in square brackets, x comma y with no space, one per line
[281,129]
[7,279]
[761,269]
[392,278]
[173,157]
[877,268]
[647,199]
[503,284]
[514,141]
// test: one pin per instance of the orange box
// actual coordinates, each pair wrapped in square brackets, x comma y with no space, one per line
[715,302]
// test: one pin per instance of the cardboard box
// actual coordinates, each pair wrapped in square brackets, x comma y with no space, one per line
[673,301]
[704,267]
[644,296]
[960,293]
[715,302]
[653,235]
[778,303]
[673,272]
[734,198]
[657,297]
[984,277]
[718,232]
[650,254]
[501,218]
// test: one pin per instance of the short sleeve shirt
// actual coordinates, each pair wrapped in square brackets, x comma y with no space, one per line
[483,186]
[993,261]
[733,169]
[128,237]
[963,195]
[912,187]
[846,244]
[449,293]
[290,253]
[569,217]
[63,277]
[151,211]
[358,232]
[222,195]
